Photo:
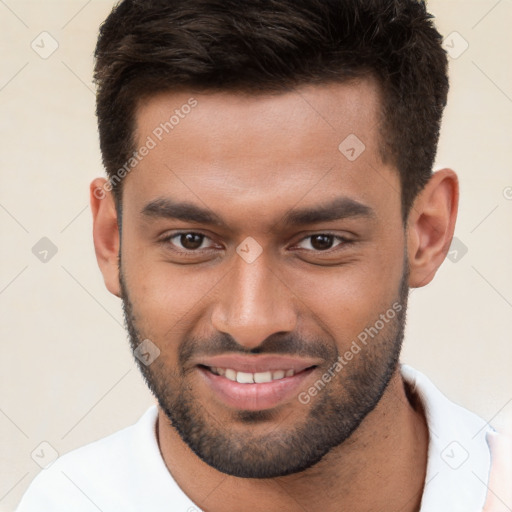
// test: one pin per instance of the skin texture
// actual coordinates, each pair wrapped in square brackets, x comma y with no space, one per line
[251,160]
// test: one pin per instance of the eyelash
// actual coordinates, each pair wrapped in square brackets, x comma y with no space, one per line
[167,241]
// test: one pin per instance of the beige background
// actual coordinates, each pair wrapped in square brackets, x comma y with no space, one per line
[67,375]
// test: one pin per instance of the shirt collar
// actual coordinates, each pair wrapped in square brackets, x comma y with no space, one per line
[458,455]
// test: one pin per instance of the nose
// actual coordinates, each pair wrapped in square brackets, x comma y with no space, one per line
[253,303]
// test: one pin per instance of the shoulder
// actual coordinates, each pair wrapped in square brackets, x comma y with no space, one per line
[88,473]
[459,458]
[499,495]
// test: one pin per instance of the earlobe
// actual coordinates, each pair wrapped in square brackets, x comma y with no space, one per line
[105,233]
[430,226]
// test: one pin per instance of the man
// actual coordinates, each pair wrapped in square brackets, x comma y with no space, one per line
[270,201]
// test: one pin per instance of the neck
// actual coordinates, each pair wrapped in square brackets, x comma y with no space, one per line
[382,466]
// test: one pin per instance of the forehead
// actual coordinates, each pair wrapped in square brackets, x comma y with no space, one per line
[265,149]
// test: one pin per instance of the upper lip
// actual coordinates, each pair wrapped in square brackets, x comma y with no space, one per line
[257,364]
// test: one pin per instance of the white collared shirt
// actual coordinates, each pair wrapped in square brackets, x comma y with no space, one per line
[459,459]
[125,471]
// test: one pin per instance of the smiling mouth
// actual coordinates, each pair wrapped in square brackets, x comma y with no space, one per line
[258,390]
[254,378]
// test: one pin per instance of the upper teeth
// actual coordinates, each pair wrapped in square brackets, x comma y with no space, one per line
[251,378]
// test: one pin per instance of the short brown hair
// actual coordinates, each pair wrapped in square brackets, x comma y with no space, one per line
[259,46]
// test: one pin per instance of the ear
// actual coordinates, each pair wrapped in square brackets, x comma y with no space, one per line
[105,233]
[430,226]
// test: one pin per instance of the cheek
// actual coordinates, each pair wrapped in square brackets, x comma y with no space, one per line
[350,298]
[168,299]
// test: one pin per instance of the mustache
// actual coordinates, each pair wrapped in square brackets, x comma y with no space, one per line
[288,344]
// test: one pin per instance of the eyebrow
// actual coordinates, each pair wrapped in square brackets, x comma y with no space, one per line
[170,209]
[337,209]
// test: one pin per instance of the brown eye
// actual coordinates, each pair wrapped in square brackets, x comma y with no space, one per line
[322,242]
[191,241]
[188,241]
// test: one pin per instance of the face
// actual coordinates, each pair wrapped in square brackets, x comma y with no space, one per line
[253,243]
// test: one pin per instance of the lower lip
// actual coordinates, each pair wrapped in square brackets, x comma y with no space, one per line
[255,397]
